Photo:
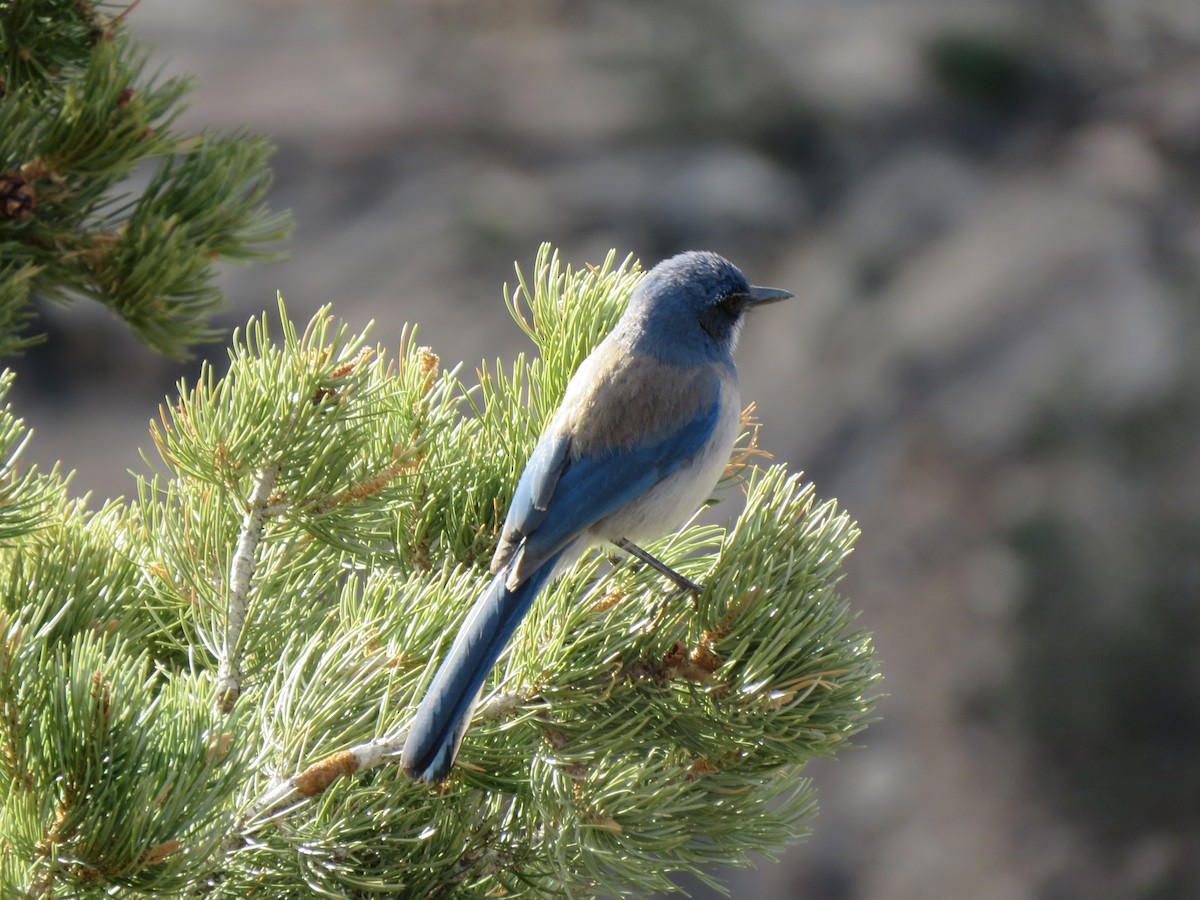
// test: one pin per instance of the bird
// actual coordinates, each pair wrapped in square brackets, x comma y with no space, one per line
[644,431]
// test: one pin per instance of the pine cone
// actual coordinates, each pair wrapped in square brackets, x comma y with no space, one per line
[16,197]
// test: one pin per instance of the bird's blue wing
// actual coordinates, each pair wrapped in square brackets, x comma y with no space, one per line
[534,490]
[578,492]
[538,481]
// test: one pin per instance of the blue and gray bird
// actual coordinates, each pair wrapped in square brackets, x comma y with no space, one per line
[642,435]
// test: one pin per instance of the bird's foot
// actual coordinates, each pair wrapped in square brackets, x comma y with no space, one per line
[686,585]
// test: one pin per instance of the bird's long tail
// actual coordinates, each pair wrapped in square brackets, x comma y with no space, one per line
[445,712]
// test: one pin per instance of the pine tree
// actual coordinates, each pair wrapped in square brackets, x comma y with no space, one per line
[203,690]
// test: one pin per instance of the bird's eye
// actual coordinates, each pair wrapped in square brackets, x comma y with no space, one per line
[720,318]
[732,303]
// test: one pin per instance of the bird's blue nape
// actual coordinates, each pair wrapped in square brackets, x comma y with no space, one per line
[687,310]
[693,279]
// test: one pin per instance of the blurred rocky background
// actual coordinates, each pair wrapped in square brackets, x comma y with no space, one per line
[990,212]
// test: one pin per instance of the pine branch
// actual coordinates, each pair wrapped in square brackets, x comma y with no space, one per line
[229,675]
[320,521]
[77,116]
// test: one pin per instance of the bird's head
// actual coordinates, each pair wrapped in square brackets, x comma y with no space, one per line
[689,308]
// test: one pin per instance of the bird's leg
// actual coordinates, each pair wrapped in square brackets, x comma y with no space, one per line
[661,567]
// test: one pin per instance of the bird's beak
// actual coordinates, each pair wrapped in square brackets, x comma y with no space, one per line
[760,296]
